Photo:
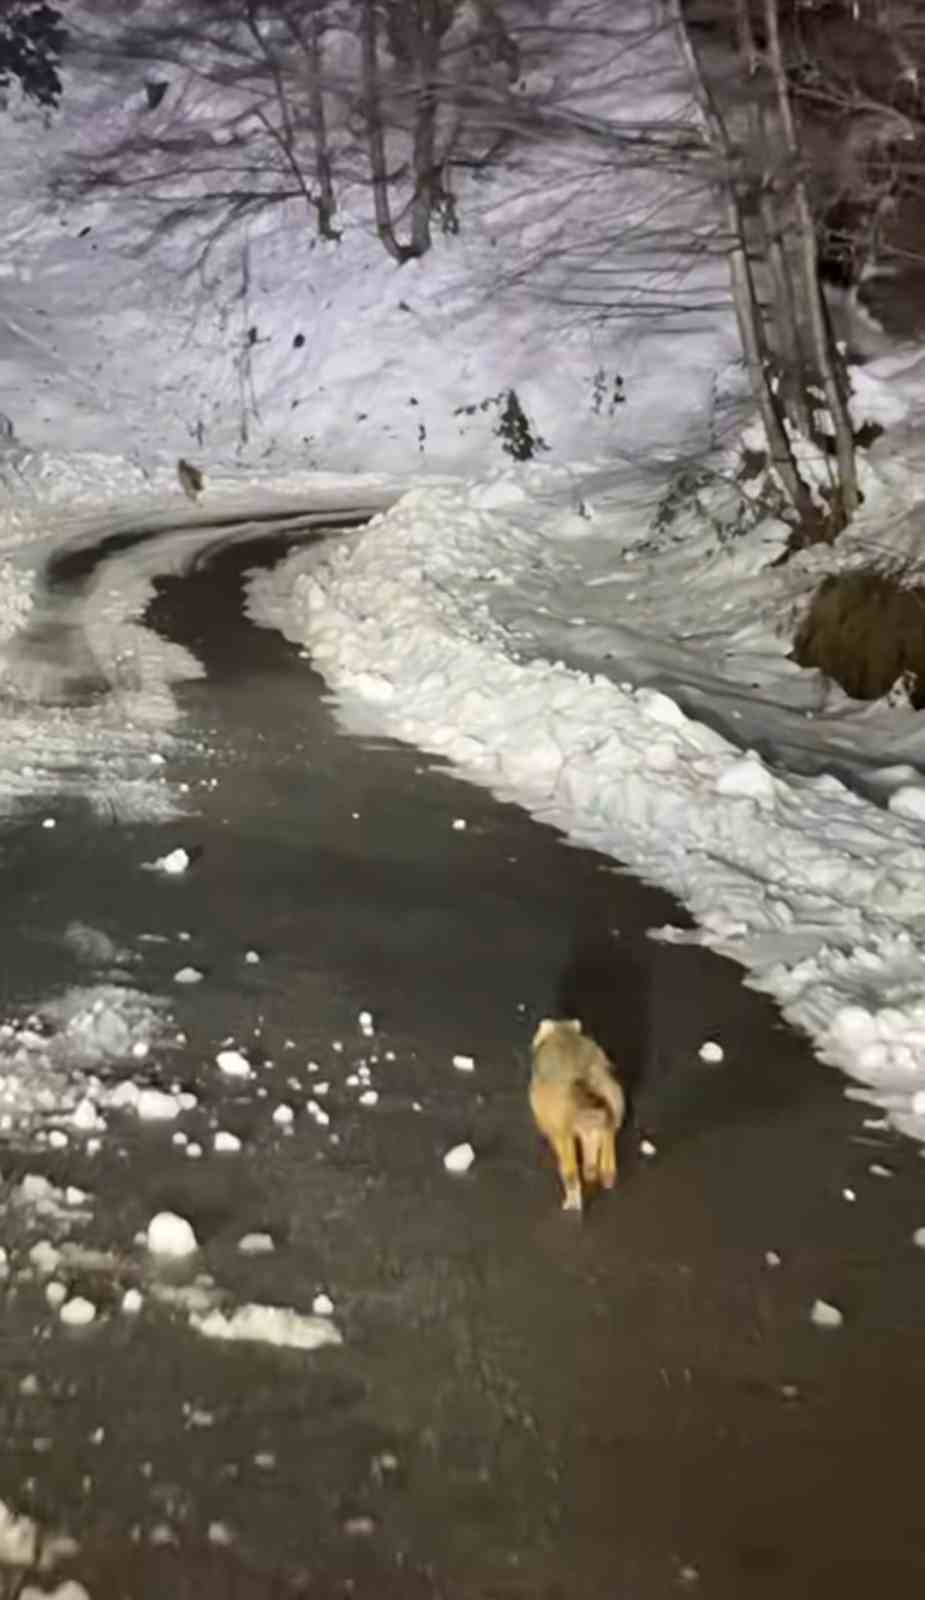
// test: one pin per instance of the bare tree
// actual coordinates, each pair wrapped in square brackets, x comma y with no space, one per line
[422,108]
[375,135]
[754,70]
[753,329]
[303,26]
[857,92]
[822,357]
[797,374]
[241,119]
[281,101]
[815,125]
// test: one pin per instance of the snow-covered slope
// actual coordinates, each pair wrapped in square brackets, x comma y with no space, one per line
[282,350]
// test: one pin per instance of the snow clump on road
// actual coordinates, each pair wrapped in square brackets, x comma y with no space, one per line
[277,1325]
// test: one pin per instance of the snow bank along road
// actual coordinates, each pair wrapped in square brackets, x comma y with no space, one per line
[817,892]
[279,1044]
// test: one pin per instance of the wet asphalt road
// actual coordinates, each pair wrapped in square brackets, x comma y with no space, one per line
[525,1407]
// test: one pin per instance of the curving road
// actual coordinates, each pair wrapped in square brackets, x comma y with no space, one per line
[523,1408]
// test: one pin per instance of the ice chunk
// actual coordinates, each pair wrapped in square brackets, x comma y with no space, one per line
[747,779]
[223,1141]
[909,801]
[18,1539]
[825,1315]
[464,1063]
[710,1051]
[460,1158]
[234,1064]
[153,1105]
[86,1116]
[175,861]
[256,1244]
[170,1235]
[188,975]
[278,1325]
[36,1190]
[44,1256]
[125,1093]
[77,1313]
[660,708]
[359,1527]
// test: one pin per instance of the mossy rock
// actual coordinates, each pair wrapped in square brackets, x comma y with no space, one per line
[866,629]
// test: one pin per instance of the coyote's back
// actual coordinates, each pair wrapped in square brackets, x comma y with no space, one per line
[577,1103]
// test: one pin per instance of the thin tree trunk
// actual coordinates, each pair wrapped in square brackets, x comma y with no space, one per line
[757,361]
[375,136]
[786,336]
[423,159]
[826,356]
[284,135]
[786,328]
[745,299]
[430,29]
[327,201]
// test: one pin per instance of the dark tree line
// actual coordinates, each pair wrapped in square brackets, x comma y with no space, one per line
[32,38]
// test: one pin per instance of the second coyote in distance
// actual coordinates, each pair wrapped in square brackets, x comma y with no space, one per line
[191,479]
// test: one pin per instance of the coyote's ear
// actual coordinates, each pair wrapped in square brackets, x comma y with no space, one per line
[546,1027]
[574,1024]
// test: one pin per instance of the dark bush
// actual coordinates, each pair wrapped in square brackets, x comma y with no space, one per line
[514,431]
[866,629]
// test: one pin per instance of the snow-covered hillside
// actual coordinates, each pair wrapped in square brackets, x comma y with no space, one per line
[281,350]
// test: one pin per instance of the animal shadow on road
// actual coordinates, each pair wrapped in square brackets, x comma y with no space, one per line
[651,1006]
[607,985]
